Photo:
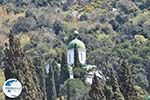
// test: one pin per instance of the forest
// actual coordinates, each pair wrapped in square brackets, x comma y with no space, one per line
[36,33]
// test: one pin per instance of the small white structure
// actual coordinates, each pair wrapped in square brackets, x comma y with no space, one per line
[90,75]
[114,9]
[81,51]
[71,72]
[47,68]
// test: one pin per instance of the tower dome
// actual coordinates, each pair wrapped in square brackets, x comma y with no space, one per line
[76,42]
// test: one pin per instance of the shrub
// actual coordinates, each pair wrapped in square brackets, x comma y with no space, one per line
[140,38]
[76,88]
[83,17]
[25,25]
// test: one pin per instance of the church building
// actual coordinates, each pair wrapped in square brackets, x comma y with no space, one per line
[90,69]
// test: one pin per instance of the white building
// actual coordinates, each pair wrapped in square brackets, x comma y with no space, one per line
[91,69]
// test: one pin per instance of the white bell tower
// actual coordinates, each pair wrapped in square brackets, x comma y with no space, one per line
[81,51]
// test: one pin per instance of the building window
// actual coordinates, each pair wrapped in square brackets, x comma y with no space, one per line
[69,58]
[81,57]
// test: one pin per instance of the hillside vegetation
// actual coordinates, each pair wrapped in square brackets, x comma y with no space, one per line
[113,31]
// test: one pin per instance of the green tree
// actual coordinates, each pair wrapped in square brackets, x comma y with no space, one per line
[41,74]
[96,92]
[64,73]
[76,57]
[19,66]
[56,75]
[50,85]
[73,89]
[108,92]
[117,95]
[68,91]
[126,82]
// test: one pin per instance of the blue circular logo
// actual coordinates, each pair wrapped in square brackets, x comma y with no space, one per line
[12,88]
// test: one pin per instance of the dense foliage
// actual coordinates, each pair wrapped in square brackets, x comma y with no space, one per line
[111,30]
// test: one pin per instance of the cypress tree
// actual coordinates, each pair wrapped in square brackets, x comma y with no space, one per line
[96,92]
[68,90]
[76,57]
[148,77]
[50,84]
[64,74]
[78,69]
[19,66]
[41,74]
[108,92]
[56,75]
[117,95]
[126,82]
[57,26]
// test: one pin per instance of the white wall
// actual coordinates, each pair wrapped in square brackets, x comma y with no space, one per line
[70,56]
